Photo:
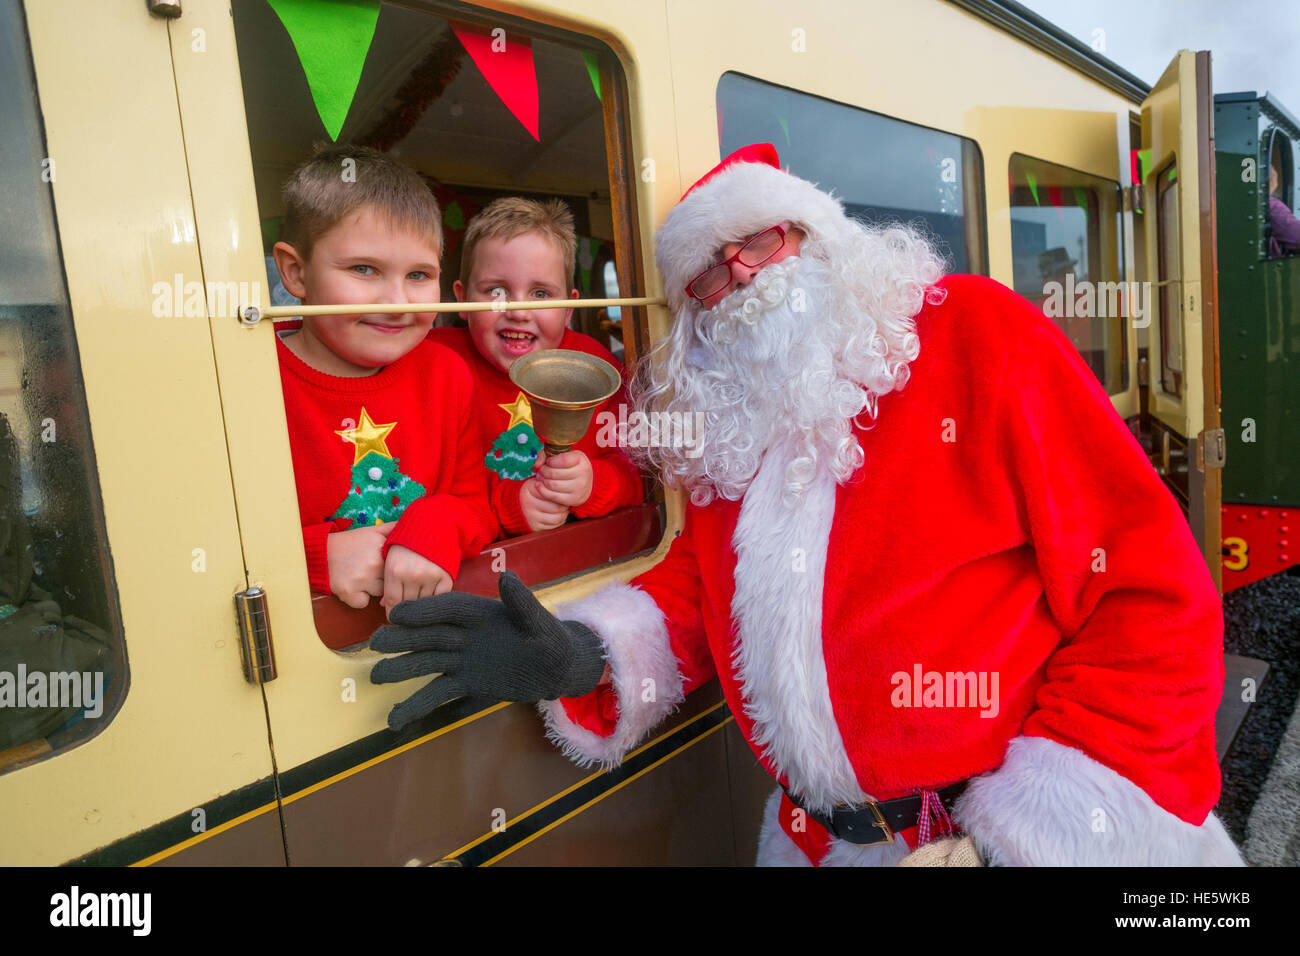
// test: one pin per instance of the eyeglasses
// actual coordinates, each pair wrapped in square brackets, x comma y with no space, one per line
[754,252]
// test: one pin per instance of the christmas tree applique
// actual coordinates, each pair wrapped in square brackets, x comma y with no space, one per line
[379,491]
[515,450]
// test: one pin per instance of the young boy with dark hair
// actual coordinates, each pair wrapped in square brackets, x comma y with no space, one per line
[381,420]
[515,250]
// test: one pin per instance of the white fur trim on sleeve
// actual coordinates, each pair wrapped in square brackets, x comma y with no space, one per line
[1053,805]
[632,628]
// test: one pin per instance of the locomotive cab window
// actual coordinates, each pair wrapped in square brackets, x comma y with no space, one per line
[1066,259]
[481,111]
[882,169]
[63,673]
[1282,228]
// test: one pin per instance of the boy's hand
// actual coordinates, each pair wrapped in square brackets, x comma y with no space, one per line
[541,513]
[356,563]
[408,576]
[565,479]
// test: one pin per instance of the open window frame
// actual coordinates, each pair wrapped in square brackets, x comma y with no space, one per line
[580,546]
[1100,333]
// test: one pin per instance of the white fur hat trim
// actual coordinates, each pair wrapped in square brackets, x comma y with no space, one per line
[737,202]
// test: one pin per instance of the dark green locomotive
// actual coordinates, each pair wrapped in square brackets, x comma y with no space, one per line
[1259,334]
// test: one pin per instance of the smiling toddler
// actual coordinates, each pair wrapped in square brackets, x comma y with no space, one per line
[518,250]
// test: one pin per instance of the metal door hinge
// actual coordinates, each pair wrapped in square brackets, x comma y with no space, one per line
[255,645]
[1131,199]
[1211,449]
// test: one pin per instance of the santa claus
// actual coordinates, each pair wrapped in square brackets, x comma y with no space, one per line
[950,604]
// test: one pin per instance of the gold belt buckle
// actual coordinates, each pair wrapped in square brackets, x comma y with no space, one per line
[878,822]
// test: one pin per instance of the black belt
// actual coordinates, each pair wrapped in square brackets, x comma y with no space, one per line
[874,823]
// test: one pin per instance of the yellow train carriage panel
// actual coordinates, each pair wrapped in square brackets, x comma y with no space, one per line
[188,731]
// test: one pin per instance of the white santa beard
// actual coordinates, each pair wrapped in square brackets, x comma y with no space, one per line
[777,610]
[765,364]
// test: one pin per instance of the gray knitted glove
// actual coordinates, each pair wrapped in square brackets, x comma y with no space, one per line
[512,649]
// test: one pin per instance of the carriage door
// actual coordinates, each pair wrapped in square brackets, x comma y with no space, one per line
[1178,183]
[128,732]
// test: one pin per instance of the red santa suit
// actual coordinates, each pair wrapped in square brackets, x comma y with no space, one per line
[1004,593]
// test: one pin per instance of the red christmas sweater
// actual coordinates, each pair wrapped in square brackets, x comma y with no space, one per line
[399,445]
[616,482]
[1005,523]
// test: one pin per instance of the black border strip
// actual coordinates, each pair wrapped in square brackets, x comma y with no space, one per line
[1024,24]
[179,828]
[223,809]
[528,826]
[299,778]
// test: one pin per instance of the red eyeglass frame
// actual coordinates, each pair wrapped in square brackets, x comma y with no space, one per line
[728,261]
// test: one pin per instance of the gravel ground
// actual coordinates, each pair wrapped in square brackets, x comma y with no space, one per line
[1261,620]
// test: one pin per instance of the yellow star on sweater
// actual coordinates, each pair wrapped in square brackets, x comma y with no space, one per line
[520,411]
[368,437]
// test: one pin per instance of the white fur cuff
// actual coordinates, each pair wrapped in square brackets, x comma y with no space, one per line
[1052,805]
[646,676]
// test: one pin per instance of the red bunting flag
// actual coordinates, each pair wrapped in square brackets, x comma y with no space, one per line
[507,65]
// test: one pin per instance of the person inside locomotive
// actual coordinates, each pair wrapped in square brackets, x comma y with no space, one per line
[382,427]
[1284,227]
[518,249]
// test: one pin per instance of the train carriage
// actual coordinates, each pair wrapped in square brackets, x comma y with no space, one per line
[151,468]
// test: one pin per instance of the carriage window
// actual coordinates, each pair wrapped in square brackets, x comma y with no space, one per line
[62,660]
[883,169]
[1169,282]
[481,106]
[1066,259]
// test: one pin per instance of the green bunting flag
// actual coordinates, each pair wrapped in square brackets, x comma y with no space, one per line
[1032,180]
[1081,199]
[1144,163]
[332,38]
[593,71]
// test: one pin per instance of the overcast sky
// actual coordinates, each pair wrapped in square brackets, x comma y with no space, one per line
[1254,45]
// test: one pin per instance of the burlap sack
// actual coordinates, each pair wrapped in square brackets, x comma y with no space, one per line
[948,851]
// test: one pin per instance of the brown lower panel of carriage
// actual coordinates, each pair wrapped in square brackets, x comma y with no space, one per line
[253,842]
[419,805]
[751,785]
[682,812]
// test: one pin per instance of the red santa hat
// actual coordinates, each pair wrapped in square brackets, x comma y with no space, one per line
[745,193]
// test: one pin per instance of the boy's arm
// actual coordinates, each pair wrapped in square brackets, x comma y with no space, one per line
[615,481]
[453,519]
[315,544]
[505,503]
